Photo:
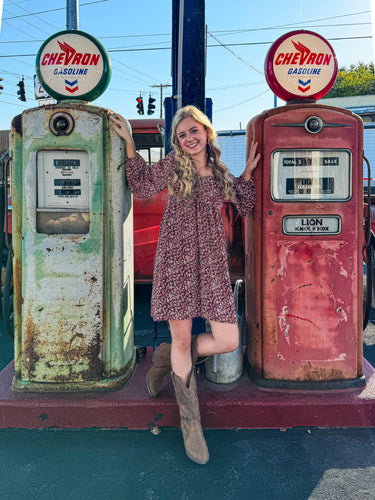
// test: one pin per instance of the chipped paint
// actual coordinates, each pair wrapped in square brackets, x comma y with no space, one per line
[284,256]
[283,325]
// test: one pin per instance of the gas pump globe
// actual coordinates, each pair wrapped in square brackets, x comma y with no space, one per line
[72,230]
[304,241]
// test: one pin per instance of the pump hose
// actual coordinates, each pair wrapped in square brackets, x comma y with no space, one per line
[6,251]
[368,252]
[8,297]
[3,168]
[370,283]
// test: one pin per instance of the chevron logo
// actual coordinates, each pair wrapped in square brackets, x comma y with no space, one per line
[304,88]
[71,85]
[301,89]
[301,82]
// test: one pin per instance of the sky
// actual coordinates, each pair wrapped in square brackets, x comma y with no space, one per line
[137,36]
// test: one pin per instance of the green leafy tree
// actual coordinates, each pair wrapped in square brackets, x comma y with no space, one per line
[357,80]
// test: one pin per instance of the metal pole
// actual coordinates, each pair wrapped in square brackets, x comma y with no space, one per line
[180,48]
[188,59]
[161,101]
[188,53]
[161,95]
[72,15]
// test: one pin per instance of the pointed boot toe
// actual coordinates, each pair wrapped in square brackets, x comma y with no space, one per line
[195,444]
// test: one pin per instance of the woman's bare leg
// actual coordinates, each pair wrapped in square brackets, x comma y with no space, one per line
[181,348]
[224,337]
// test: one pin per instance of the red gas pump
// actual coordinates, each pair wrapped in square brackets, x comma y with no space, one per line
[304,288]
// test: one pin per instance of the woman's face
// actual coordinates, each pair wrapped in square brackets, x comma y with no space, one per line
[192,137]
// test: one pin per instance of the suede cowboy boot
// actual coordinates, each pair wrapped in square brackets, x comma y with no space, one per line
[162,366]
[187,400]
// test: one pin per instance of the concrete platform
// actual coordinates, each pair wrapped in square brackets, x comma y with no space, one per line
[240,405]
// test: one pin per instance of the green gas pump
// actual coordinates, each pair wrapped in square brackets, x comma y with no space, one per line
[72,231]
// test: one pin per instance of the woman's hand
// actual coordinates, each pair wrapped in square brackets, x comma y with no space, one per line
[121,127]
[252,162]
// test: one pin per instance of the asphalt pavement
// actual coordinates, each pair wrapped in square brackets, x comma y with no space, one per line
[294,464]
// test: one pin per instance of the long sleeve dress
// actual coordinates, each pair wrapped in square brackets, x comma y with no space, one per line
[191,273]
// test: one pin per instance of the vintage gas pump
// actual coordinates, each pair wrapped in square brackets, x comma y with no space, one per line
[304,289]
[72,229]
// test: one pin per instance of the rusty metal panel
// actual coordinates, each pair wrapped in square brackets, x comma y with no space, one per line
[61,281]
[119,341]
[310,309]
[304,291]
[16,148]
[74,302]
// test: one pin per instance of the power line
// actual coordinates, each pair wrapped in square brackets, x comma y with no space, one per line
[242,102]
[240,44]
[327,18]
[234,85]
[30,24]
[136,36]
[21,31]
[135,70]
[238,32]
[38,17]
[139,45]
[236,55]
[13,104]
[208,46]
[282,26]
[51,10]
[221,33]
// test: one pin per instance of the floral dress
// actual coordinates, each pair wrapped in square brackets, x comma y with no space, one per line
[191,273]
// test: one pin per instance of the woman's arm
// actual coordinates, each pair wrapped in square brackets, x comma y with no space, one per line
[251,163]
[120,125]
[243,186]
[144,180]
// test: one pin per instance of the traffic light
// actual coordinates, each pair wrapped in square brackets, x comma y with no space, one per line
[1,86]
[22,91]
[151,106]
[140,105]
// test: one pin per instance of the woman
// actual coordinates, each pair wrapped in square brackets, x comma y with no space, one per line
[191,275]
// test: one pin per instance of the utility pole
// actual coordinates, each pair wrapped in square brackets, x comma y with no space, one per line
[161,86]
[72,15]
[188,59]
[188,53]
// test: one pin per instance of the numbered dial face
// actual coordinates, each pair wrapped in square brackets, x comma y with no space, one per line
[73,65]
[63,180]
[311,175]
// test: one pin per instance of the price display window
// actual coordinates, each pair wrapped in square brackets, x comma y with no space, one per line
[311,175]
[63,192]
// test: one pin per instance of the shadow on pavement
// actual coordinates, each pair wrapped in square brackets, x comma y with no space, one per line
[130,465]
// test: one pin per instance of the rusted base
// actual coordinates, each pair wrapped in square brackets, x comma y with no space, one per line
[306,385]
[80,386]
[239,405]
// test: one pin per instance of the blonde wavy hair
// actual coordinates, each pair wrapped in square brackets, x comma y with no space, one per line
[185,173]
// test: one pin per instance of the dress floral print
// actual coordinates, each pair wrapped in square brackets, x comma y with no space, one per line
[191,274]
